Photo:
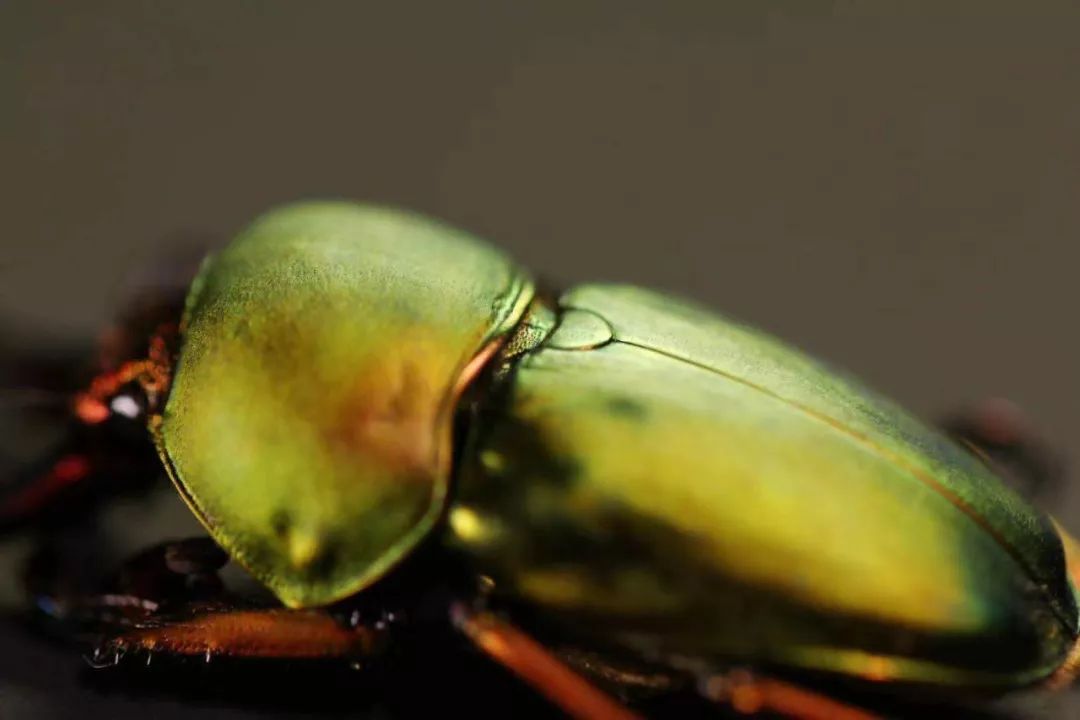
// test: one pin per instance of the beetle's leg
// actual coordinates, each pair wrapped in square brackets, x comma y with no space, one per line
[90,464]
[24,496]
[208,630]
[169,599]
[537,666]
[751,695]
[168,574]
[191,615]
[998,430]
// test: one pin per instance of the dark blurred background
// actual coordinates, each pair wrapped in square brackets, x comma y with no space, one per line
[894,186]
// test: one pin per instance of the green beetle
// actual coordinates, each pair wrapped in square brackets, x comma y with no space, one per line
[666,488]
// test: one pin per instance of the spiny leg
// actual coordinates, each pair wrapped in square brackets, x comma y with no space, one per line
[537,666]
[170,600]
[208,630]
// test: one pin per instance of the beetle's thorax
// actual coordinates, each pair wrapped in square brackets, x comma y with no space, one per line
[309,423]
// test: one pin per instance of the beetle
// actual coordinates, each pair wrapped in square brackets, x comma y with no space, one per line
[612,492]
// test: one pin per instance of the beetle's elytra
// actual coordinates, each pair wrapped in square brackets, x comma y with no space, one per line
[654,480]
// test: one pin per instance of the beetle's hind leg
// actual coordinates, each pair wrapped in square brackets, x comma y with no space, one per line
[573,686]
[1000,432]
[533,663]
[745,693]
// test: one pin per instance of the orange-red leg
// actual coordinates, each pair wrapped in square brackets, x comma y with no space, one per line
[537,666]
[169,600]
[208,630]
[751,695]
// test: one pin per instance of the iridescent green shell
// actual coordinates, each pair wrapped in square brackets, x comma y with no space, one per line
[658,476]
[641,471]
[309,420]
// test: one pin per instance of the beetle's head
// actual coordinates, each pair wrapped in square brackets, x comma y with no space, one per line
[309,420]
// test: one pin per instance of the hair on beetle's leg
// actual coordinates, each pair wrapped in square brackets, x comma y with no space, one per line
[228,630]
[537,666]
[170,600]
[999,431]
[749,694]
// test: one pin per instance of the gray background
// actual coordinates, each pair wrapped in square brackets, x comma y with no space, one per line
[893,186]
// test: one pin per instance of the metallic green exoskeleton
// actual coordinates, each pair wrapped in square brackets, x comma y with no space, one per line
[309,420]
[632,467]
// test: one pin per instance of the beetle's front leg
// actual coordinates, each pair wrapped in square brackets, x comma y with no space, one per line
[170,600]
[218,629]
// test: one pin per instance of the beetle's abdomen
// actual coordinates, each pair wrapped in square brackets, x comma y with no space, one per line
[677,483]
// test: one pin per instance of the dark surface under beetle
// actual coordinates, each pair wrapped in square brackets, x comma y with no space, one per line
[430,671]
